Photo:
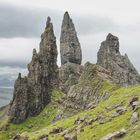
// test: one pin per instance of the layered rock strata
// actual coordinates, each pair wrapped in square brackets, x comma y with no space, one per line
[88,92]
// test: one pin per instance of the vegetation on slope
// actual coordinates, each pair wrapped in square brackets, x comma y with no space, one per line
[98,129]
[35,127]
[32,124]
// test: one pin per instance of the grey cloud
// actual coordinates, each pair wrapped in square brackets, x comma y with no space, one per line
[91,24]
[23,21]
[29,22]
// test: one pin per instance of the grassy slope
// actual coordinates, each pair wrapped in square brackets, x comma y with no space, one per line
[96,130]
[42,123]
[33,123]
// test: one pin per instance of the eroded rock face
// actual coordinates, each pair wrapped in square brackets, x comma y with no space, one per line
[120,66]
[70,48]
[32,93]
[69,75]
[86,94]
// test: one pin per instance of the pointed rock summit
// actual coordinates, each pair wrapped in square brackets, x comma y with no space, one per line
[109,57]
[70,48]
[33,93]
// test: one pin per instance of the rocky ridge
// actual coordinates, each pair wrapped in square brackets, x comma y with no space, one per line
[109,57]
[32,93]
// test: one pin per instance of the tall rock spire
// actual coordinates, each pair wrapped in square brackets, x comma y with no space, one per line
[109,57]
[32,93]
[70,48]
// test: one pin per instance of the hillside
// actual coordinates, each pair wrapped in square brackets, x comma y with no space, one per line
[95,123]
[74,102]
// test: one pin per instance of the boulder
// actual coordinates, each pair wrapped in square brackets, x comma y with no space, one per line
[121,110]
[43,137]
[57,130]
[70,137]
[89,122]
[79,120]
[135,105]
[19,137]
[134,98]
[116,135]
[134,117]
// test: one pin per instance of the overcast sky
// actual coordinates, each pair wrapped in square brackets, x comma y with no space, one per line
[23,21]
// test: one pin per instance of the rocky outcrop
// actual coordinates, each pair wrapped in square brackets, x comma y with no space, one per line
[87,93]
[32,93]
[115,135]
[69,75]
[70,48]
[121,68]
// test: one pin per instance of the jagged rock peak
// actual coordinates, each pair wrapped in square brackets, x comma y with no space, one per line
[70,47]
[66,15]
[113,43]
[33,93]
[49,25]
[48,22]
[19,76]
[67,21]
[109,57]
[111,37]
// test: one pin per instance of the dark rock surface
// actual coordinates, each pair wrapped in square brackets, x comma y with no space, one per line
[120,66]
[32,93]
[19,137]
[70,48]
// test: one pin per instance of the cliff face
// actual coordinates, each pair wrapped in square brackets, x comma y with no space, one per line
[109,57]
[32,93]
[71,55]
[70,48]
[83,85]
[89,89]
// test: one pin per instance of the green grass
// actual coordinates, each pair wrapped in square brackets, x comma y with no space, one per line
[96,130]
[35,123]
[56,94]
[43,124]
